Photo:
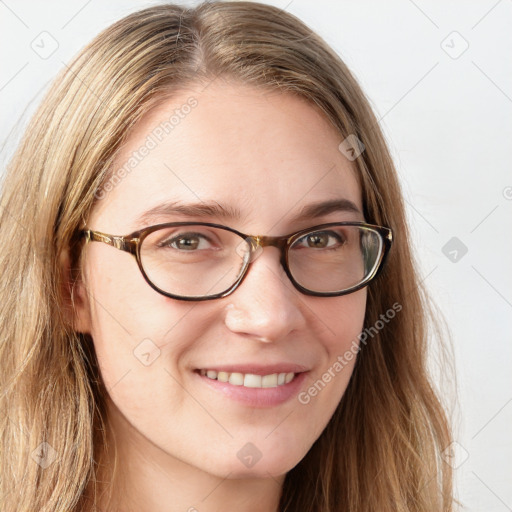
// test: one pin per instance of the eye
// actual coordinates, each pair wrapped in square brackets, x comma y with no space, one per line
[320,240]
[187,242]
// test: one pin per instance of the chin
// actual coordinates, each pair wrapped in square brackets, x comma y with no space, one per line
[250,463]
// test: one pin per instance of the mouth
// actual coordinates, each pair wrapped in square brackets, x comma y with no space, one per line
[254,385]
[249,380]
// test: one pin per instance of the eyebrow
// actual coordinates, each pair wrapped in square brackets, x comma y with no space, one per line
[226,212]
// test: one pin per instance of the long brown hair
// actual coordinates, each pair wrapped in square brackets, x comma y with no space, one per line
[383,448]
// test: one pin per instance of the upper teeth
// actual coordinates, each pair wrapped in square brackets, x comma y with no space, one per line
[250,380]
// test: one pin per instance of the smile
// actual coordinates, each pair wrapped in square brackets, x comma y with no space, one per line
[249,380]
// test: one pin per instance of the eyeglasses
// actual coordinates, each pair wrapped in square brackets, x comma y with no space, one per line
[203,261]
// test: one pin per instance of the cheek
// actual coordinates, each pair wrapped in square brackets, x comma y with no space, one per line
[138,334]
[140,351]
[340,320]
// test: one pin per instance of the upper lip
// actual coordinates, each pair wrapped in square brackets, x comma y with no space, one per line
[257,369]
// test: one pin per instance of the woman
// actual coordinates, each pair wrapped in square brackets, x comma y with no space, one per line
[208,296]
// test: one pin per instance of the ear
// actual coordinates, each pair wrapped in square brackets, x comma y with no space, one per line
[76,310]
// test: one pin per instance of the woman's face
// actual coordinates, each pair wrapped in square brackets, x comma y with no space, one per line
[266,156]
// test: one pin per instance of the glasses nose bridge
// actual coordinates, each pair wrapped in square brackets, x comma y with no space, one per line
[259,241]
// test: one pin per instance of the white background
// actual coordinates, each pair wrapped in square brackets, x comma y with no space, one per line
[447,114]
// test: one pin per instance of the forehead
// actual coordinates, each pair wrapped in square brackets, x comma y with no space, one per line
[265,155]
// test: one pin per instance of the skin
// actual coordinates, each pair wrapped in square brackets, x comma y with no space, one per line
[268,154]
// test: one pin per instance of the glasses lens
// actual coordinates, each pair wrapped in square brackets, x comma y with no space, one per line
[193,260]
[335,258]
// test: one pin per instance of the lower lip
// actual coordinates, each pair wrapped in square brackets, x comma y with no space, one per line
[257,397]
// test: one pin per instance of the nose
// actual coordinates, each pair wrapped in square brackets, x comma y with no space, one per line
[265,305]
